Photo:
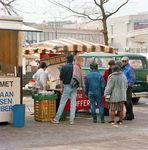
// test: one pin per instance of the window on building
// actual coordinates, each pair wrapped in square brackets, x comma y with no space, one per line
[128,27]
[46,36]
[73,35]
[35,37]
[127,42]
[80,37]
[77,36]
[111,29]
[42,37]
[29,37]
[112,41]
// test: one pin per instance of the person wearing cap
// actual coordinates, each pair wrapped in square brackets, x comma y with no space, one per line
[131,78]
[40,77]
[66,76]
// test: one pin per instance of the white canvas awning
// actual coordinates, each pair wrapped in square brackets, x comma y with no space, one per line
[139,36]
[31,57]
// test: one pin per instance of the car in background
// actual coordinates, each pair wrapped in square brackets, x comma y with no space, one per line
[137,61]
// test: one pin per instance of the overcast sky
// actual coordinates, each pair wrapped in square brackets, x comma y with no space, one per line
[39,10]
[133,7]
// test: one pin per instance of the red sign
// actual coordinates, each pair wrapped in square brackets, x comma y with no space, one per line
[52,59]
[49,55]
[82,102]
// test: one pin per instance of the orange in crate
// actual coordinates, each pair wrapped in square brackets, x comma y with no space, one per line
[44,110]
[45,104]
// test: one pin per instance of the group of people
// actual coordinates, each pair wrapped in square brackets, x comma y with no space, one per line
[71,78]
[119,89]
[116,85]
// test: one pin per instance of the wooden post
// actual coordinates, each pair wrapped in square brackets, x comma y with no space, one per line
[20,51]
[20,75]
[20,64]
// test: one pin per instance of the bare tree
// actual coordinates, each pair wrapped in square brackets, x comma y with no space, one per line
[6,6]
[19,7]
[93,10]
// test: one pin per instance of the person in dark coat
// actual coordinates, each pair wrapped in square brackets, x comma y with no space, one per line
[66,75]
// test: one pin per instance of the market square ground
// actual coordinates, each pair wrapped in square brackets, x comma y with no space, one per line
[83,135]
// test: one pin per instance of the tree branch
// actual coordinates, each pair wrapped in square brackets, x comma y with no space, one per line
[8,7]
[97,3]
[105,1]
[68,8]
[10,2]
[117,9]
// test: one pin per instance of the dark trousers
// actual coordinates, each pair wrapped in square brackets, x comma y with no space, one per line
[129,104]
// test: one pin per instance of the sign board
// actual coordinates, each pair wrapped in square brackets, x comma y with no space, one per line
[140,25]
[9,96]
[82,102]
[54,60]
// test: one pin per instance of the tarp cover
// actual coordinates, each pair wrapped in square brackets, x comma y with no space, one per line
[67,45]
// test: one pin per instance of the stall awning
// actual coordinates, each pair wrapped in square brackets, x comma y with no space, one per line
[67,45]
[31,57]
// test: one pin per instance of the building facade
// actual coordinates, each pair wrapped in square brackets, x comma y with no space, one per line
[129,33]
[126,33]
[52,33]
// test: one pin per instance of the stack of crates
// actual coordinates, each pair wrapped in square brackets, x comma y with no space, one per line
[44,107]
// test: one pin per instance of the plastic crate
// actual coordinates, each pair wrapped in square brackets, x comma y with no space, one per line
[44,110]
[44,97]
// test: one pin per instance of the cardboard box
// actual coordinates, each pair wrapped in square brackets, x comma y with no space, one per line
[34,68]
[29,68]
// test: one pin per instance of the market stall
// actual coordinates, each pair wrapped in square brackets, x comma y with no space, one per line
[82,101]
[64,46]
[10,64]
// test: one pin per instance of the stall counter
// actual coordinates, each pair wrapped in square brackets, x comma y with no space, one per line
[82,101]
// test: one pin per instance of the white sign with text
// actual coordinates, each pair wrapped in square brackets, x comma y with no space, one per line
[9,96]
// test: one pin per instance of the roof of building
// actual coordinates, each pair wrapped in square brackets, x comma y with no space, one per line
[14,23]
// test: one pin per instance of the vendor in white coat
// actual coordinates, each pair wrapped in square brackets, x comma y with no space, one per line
[40,77]
[53,73]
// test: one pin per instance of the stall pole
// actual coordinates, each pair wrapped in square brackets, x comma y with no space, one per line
[20,63]
[20,75]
